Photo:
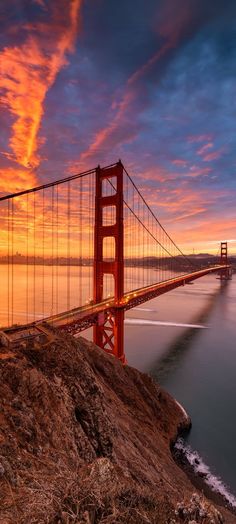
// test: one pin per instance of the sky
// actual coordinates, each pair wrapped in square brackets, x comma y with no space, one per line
[150,82]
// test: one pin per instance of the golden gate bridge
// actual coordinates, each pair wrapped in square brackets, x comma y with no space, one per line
[80,251]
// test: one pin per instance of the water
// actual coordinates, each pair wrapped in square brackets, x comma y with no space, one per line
[195,364]
[34,292]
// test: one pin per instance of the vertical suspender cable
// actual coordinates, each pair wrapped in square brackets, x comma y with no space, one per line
[8,263]
[148,250]
[80,242]
[127,236]
[52,252]
[57,226]
[157,254]
[132,239]
[143,239]
[68,245]
[12,261]
[163,255]
[89,232]
[34,278]
[137,252]
[27,258]
[43,256]
[133,243]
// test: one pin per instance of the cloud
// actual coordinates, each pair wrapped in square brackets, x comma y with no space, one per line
[151,84]
[14,179]
[204,149]
[209,156]
[172,32]
[41,3]
[179,162]
[214,155]
[27,73]
[195,139]
[200,233]
[196,171]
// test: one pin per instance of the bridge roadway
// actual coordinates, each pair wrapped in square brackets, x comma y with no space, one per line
[81,318]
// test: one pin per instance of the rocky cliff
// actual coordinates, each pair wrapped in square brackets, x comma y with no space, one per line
[86,440]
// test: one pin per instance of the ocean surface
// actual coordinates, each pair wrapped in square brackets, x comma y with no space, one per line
[185,339]
[197,366]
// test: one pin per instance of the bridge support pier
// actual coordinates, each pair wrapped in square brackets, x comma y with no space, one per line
[109,330]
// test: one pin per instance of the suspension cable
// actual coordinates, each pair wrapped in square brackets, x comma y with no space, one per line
[149,232]
[156,219]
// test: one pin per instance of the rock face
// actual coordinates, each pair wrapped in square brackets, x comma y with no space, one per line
[85,440]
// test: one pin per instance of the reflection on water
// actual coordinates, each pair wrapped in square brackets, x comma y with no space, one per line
[197,366]
[146,345]
[41,291]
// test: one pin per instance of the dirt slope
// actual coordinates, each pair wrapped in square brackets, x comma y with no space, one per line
[85,440]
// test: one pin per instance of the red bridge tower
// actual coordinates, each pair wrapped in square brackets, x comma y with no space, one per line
[226,274]
[109,331]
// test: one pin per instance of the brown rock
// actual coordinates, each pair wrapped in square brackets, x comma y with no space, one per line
[86,440]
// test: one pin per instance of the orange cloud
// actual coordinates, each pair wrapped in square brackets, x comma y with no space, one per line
[28,72]
[200,235]
[13,180]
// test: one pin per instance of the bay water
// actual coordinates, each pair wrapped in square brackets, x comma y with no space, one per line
[196,364]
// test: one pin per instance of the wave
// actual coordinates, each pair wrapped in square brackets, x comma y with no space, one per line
[202,470]
[145,309]
[145,322]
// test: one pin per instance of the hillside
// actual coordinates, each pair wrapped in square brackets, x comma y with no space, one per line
[85,440]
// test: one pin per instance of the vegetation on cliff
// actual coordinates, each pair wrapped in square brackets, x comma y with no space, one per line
[86,440]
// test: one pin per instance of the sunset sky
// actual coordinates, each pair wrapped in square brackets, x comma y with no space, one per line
[153,82]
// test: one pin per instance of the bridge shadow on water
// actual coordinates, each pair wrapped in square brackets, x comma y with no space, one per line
[176,351]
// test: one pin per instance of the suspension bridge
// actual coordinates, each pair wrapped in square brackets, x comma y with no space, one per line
[80,251]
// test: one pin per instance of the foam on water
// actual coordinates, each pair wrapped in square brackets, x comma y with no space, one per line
[202,470]
[145,322]
[145,309]
[182,409]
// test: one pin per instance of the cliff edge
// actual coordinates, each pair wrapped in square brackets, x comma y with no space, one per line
[86,440]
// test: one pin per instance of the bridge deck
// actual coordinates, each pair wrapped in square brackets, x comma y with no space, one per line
[83,317]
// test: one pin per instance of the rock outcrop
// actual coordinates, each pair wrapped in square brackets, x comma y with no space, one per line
[86,440]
